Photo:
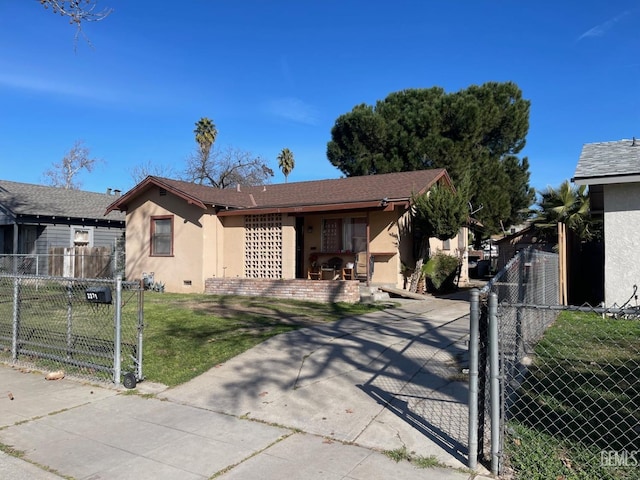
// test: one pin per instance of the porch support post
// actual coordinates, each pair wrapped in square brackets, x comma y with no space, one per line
[368,255]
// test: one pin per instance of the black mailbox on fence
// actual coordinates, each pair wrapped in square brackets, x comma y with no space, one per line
[98,294]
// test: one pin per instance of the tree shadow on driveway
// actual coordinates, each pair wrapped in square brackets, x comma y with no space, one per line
[363,379]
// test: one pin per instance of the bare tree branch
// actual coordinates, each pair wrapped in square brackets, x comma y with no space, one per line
[63,174]
[227,168]
[143,170]
[78,11]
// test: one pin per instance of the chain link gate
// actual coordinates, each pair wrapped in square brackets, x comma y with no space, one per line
[90,328]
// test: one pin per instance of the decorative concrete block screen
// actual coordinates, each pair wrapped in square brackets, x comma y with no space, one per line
[263,246]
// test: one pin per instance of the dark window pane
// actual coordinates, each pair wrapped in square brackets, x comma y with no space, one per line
[332,235]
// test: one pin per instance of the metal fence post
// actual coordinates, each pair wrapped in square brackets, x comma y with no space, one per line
[117,344]
[16,318]
[474,346]
[114,257]
[69,318]
[494,368]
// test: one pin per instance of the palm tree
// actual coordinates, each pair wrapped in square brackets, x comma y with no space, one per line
[286,162]
[567,204]
[206,134]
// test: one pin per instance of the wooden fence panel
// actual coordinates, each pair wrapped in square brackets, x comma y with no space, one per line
[81,262]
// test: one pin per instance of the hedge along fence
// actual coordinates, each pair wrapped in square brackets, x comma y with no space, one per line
[328,291]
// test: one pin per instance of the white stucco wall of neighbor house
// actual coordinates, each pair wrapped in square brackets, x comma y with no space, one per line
[622,242]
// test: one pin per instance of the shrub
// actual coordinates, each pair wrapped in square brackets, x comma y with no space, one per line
[440,272]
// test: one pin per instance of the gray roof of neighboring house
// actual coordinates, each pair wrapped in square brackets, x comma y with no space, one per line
[606,162]
[20,199]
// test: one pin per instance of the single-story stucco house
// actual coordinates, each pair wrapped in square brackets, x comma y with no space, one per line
[612,172]
[34,219]
[185,234]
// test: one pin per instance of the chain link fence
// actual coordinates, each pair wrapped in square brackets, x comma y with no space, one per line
[558,390]
[89,328]
[577,397]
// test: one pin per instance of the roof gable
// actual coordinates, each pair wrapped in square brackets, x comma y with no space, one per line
[609,162]
[329,194]
[25,199]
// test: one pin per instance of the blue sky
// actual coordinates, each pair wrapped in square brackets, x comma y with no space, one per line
[275,74]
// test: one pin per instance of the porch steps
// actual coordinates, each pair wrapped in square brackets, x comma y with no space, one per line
[371,294]
[381,293]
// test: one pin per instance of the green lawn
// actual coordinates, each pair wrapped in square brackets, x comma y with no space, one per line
[580,398]
[185,335]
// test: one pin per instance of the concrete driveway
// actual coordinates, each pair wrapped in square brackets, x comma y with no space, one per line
[386,380]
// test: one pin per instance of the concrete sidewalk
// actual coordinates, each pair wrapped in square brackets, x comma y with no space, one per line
[322,402]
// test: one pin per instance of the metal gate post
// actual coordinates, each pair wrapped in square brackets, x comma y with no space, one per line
[139,375]
[494,368]
[117,357]
[474,346]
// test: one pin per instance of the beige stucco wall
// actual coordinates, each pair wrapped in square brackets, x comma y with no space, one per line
[185,270]
[384,241]
[621,215]
[232,248]
[288,246]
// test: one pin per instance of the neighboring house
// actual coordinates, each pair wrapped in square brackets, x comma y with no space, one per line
[612,172]
[34,219]
[509,245]
[182,233]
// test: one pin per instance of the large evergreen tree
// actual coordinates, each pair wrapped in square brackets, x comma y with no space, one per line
[475,133]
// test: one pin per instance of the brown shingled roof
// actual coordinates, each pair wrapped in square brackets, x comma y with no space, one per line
[342,192]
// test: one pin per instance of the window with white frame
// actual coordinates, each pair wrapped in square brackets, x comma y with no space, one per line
[82,236]
[162,236]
